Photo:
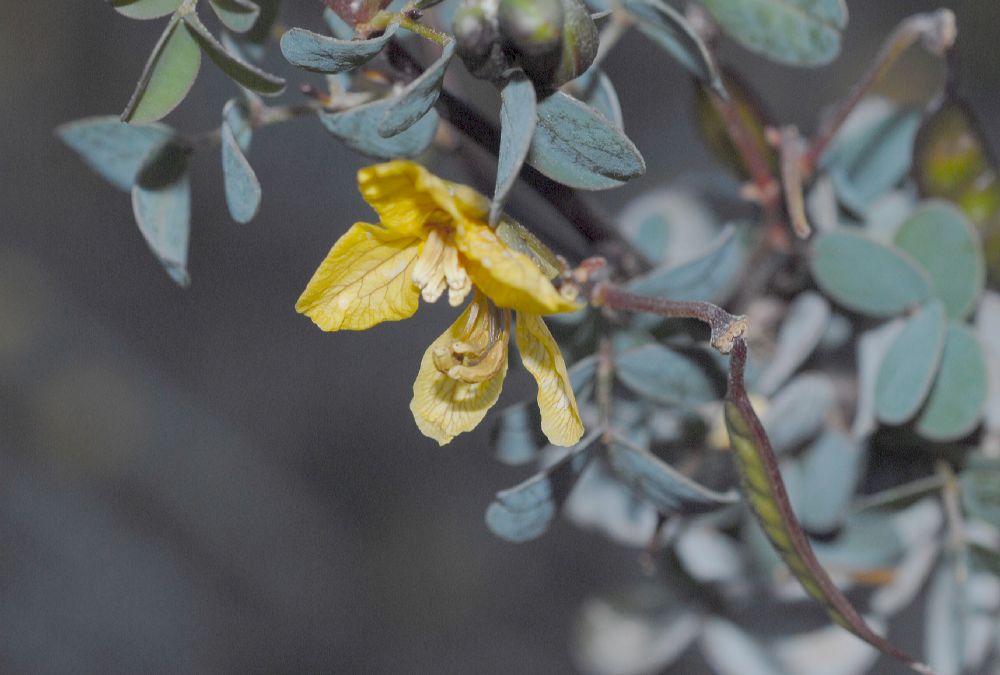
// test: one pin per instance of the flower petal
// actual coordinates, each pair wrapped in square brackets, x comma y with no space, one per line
[509,278]
[404,194]
[541,356]
[364,280]
[443,407]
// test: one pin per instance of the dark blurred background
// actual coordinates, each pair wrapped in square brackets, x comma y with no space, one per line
[202,481]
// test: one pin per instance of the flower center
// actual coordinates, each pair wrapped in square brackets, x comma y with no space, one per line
[481,350]
[439,267]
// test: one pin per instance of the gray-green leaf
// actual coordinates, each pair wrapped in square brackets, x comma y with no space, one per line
[322,54]
[575,145]
[113,149]
[243,192]
[906,374]
[671,31]
[358,129]
[665,376]
[238,16]
[517,125]
[164,218]
[241,72]
[167,78]
[413,102]
[956,401]
[145,9]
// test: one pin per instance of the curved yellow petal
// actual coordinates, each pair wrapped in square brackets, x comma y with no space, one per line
[540,354]
[509,278]
[364,280]
[405,194]
[444,407]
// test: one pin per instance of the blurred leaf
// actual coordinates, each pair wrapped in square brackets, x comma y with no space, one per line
[981,491]
[261,30]
[908,578]
[168,76]
[670,491]
[243,191]
[145,9]
[241,72]
[867,276]
[708,277]
[985,559]
[867,541]
[827,651]
[987,328]
[751,112]
[597,90]
[729,650]
[668,226]
[640,632]
[525,511]
[796,32]
[236,115]
[708,555]
[164,218]
[671,31]
[798,412]
[238,16]
[872,152]
[516,437]
[111,148]
[942,240]
[575,145]
[517,125]
[165,164]
[955,404]
[804,326]
[358,129]
[909,366]
[953,160]
[831,469]
[872,348]
[601,502]
[322,54]
[944,624]
[338,27]
[665,376]
[416,98]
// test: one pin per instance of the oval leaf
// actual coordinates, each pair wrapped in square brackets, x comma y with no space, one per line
[322,54]
[831,468]
[167,78]
[575,145]
[597,90]
[236,116]
[945,243]
[113,149]
[665,376]
[804,326]
[145,9]
[796,32]
[243,192]
[357,128]
[164,218]
[707,277]
[955,404]
[909,367]
[867,276]
[241,72]
[238,16]
[798,412]
[517,124]
[668,28]
[413,102]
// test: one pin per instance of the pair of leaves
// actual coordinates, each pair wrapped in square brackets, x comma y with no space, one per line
[151,163]
[174,64]
[243,191]
[239,16]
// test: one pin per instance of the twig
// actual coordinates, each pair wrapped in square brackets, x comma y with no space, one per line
[790,152]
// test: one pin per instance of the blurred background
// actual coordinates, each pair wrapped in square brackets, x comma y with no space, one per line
[200,480]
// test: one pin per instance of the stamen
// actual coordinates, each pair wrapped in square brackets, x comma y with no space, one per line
[459,283]
[482,350]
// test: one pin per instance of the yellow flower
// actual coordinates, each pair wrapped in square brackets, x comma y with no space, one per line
[433,237]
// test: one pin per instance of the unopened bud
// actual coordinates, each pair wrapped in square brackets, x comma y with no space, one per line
[533,27]
[477,41]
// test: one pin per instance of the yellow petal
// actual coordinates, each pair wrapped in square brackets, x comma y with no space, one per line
[541,356]
[508,277]
[365,279]
[404,194]
[444,407]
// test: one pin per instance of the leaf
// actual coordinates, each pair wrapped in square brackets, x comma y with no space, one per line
[802,330]
[798,412]
[595,89]
[867,276]
[909,367]
[953,160]
[665,376]
[955,405]
[243,191]
[981,491]
[241,72]
[943,241]
[729,650]
[168,76]
[872,348]
[236,115]
[831,469]
[322,54]
[988,328]
[575,145]
[751,112]
[707,277]
[517,125]
[357,128]
[670,491]
[525,511]
[763,488]
[601,503]
[669,226]
[238,16]
[516,438]
[872,152]
[416,98]
[145,9]
[164,218]
[668,28]
[111,148]
[796,32]
[944,624]
[826,651]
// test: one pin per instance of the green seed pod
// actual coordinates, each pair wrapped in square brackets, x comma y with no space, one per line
[533,27]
